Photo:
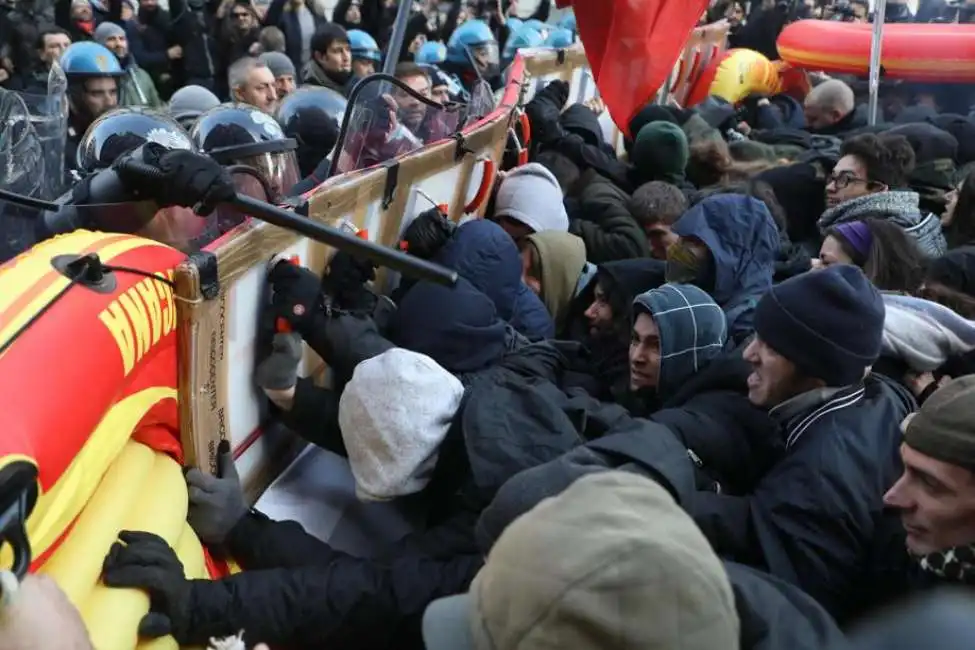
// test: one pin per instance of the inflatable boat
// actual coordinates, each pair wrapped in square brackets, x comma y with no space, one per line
[911,51]
[111,387]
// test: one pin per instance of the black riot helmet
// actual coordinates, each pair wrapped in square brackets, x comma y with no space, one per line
[312,117]
[240,136]
[122,130]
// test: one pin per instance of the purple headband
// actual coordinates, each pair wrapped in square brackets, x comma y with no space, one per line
[858,235]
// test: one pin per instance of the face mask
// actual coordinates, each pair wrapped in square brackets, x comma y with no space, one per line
[684,264]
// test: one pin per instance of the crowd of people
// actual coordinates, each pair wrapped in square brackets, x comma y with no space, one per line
[712,394]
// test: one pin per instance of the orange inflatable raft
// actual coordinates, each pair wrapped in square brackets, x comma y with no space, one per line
[88,377]
[913,52]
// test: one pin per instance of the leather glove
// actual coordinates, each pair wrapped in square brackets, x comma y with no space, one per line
[279,371]
[297,297]
[346,282]
[145,561]
[427,234]
[189,179]
[544,111]
[216,503]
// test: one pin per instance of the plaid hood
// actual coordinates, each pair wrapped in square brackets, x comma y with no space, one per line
[692,328]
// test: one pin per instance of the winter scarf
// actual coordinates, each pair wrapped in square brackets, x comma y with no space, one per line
[955,564]
[897,206]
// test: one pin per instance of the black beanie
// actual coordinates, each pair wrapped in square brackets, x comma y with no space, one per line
[828,323]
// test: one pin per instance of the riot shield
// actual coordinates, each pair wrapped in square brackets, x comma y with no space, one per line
[21,171]
[385,118]
[481,102]
[49,116]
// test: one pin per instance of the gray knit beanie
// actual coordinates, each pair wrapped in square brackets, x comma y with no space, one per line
[279,64]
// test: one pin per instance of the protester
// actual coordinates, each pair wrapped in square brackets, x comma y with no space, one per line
[888,256]
[529,200]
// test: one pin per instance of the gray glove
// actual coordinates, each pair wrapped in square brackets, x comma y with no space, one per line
[279,371]
[216,504]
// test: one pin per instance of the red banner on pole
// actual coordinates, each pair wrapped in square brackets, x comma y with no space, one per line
[632,46]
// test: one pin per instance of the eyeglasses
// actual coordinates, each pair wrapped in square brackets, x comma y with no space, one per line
[844,180]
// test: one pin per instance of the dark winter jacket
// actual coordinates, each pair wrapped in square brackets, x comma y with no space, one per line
[605,223]
[287,22]
[813,517]
[486,256]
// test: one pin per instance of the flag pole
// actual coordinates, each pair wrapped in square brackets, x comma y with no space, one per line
[876,44]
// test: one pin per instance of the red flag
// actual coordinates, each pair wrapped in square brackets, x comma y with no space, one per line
[632,46]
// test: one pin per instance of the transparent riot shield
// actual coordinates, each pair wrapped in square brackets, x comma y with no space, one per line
[21,172]
[386,118]
[481,102]
[49,117]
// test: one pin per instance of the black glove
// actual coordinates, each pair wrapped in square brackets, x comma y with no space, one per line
[346,282]
[427,234]
[188,179]
[145,561]
[216,504]
[544,111]
[297,297]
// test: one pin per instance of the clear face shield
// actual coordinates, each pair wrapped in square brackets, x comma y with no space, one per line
[278,170]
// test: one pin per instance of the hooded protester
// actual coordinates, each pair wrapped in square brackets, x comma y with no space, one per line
[135,86]
[728,246]
[681,376]
[554,266]
[483,254]
[529,200]
[601,318]
[612,564]
[868,180]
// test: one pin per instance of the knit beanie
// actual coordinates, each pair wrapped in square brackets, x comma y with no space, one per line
[106,31]
[531,195]
[828,323]
[660,152]
[279,64]
[190,102]
[942,427]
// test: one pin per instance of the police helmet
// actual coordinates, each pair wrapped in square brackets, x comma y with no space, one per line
[364,46]
[543,28]
[568,21]
[312,116]
[240,135]
[122,130]
[524,37]
[514,24]
[560,38]
[472,42]
[89,59]
[431,53]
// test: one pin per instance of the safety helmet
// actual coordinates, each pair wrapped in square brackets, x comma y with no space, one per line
[514,24]
[560,38]
[431,53]
[543,28]
[312,117]
[439,78]
[89,59]
[122,130]
[240,135]
[524,37]
[364,46]
[568,21]
[473,37]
